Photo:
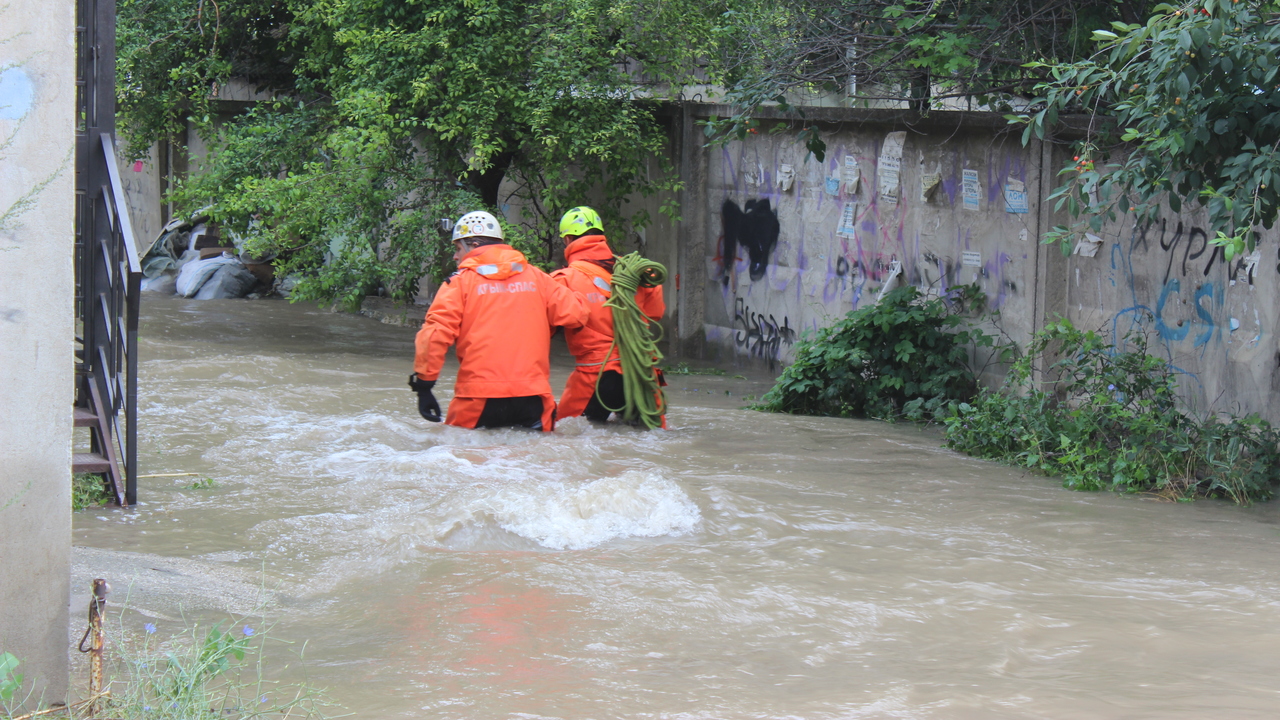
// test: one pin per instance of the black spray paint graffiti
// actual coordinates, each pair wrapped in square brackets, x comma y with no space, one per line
[1195,242]
[755,229]
[935,272]
[760,336]
[876,270]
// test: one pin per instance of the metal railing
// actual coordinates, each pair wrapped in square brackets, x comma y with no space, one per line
[108,273]
[111,286]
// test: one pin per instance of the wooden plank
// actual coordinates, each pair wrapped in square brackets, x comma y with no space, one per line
[84,417]
[89,463]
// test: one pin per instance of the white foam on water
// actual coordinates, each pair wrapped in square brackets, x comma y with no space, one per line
[573,516]
[371,492]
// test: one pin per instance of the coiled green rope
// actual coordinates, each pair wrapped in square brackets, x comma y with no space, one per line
[637,343]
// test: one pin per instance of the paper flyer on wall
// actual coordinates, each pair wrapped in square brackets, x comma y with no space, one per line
[833,186]
[786,176]
[848,218]
[1088,245]
[850,175]
[929,181]
[889,168]
[970,190]
[1015,196]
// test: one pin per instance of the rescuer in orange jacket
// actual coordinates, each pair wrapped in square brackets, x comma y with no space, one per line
[501,311]
[595,385]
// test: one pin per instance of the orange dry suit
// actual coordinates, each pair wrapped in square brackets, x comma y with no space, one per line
[501,311]
[590,274]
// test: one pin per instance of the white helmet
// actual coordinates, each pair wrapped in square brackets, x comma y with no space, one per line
[477,224]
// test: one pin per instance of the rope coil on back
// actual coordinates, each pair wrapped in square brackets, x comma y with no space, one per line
[637,343]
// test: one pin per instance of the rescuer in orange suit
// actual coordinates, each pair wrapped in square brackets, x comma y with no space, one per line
[501,311]
[595,385]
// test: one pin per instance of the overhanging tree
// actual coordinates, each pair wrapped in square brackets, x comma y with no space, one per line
[1189,104]
[391,114]
[918,52]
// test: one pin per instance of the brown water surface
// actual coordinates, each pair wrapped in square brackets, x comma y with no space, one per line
[739,565]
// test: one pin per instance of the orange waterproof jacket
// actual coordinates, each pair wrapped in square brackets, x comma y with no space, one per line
[501,311]
[590,343]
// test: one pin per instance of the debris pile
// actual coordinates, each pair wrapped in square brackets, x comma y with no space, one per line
[190,258]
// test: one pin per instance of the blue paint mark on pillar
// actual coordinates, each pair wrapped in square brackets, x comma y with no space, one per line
[1173,334]
[1203,314]
[17,94]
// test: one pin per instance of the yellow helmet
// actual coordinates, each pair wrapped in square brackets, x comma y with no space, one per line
[579,220]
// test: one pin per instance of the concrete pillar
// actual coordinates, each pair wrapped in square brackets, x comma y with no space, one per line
[691,271]
[37,210]
[1051,265]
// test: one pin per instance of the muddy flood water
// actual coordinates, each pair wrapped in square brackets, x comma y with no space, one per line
[738,565]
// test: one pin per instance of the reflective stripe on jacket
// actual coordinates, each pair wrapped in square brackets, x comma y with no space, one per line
[500,310]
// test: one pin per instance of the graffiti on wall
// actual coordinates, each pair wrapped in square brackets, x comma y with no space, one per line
[1210,317]
[754,227]
[845,244]
[1189,249]
[758,335]
[1190,306]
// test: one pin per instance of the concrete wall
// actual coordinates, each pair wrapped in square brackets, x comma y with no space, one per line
[144,186]
[837,242]
[1213,320]
[37,109]
[849,227]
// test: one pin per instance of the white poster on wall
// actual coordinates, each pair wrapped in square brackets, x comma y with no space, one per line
[889,168]
[970,190]
[1088,245]
[848,218]
[786,176]
[850,175]
[929,180]
[1015,196]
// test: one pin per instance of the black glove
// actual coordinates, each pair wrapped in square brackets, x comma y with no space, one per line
[428,408]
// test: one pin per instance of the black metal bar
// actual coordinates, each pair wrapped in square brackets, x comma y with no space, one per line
[130,295]
[134,295]
[104,57]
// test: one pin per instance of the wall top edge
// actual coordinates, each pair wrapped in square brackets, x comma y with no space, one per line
[1068,127]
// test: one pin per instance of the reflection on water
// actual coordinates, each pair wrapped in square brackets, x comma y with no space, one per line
[740,565]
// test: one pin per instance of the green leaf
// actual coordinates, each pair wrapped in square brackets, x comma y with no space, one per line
[10,680]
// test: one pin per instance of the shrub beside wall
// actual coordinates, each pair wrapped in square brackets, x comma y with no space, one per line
[1106,419]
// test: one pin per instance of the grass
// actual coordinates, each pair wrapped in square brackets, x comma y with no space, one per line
[215,671]
[89,490]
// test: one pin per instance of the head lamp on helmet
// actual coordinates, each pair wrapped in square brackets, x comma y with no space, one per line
[477,224]
[579,220]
